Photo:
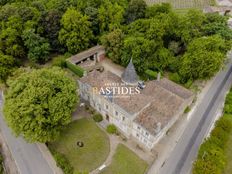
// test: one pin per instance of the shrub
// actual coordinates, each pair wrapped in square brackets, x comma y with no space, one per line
[59,61]
[175,77]
[75,69]
[151,74]
[62,162]
[188,84]
[187,109]
[97,117]
[111,129]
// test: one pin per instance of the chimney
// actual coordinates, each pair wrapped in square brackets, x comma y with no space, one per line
[158,76]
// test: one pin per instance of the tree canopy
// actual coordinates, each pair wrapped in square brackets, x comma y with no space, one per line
[203,58]
[7,64]
[37,30]
[75,33]
[39,103]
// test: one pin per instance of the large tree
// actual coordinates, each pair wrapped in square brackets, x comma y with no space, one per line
[38,47]
[50,24]
[203,58]
[75,34]
[136,10]
[113,42]
[39,103]
[10,37]
[7,64]
[110,16]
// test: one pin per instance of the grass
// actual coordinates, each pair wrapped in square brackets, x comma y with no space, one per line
[228,168]
[125,162]
[96,145]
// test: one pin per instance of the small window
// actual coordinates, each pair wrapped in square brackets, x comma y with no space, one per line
[123,118]
[147,134]
[116,113]
[99,108]
[107,107]
[138,128]
[137,135]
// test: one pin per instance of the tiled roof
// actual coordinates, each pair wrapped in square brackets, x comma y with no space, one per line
[174,88]
[85,54]
[157,103]
[129,76]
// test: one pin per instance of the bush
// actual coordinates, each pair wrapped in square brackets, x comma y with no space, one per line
[188,84]
[75,69]
[175,77]
[111,129]
[59,61]
[97,117]
[187,109]
[151,74]
[62,162]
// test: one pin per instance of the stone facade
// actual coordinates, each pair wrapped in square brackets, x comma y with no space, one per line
[145,117]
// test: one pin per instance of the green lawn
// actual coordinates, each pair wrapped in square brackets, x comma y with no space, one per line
[96,145]
[126,162]
[228,169]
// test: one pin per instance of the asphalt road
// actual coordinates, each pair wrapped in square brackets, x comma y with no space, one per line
[28,158]
[185,152]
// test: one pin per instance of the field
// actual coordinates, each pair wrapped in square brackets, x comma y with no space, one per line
[92,154]
[125,162]
[182,4]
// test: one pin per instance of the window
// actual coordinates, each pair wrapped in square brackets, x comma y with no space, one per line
[138,128]
[99,108]
[137,135]
[147,134]
[116,113]
[123,118]
[107,107]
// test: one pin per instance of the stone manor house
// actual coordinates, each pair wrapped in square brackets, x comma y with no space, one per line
[145,116]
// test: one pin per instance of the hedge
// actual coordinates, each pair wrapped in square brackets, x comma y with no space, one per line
[75,69]
[212,157]
[62,162]
[151,74]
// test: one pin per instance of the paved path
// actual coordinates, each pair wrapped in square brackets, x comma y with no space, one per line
[28,157]
[181,158]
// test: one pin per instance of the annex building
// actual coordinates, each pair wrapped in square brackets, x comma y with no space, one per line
[145,113]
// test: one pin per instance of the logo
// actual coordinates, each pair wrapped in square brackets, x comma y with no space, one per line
[116,90]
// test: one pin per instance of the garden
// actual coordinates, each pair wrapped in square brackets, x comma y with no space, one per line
[96,145]
[125,162]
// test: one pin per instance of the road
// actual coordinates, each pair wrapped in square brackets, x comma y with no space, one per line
[28,158]
[184,153]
